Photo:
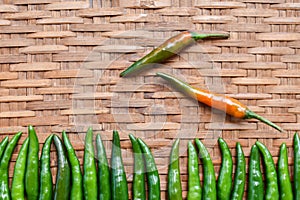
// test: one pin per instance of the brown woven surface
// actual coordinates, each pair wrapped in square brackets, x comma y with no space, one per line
[60,65]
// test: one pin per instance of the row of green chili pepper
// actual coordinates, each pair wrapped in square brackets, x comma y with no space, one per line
[109,182]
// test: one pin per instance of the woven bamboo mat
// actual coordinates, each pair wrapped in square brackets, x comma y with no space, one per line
[60,65]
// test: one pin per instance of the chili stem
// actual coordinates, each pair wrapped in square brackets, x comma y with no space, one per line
[250,114]
[198,36]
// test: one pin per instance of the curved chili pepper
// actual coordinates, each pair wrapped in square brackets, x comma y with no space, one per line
[138,186]
[3,144]
[63,176]
[209,182]
[76,188]
[89,167]
[170,48]
[152,172]
[18,187]
[219,101]
[46,185]
[4,191]
[255,183]
[285,186]
[296,144]
[272,192]
[174,183]
[103,171]
[32,166]
[224,183]
[118,177]
[194,186]
[240,174]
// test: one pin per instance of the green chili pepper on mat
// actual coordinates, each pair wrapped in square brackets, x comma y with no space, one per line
[3,144]
[272,192]
[209,183]
[285,186]
[118,179]
[63,176]
[296,166]
[151,172]
[32,166]
[103,171]
[174,183]
[4,187]
[170,48]
[89,167]
[194,185]
[224,183]
[221,102]
[255,179]
[18,187]
[46,185]
[138,187]
[240,174]
[76,176]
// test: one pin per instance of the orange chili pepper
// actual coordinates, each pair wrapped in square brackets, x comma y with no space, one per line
[219,101]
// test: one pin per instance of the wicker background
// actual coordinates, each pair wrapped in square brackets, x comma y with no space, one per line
[60,65]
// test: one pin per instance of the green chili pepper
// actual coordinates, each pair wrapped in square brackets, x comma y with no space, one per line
[194,186]
[255,183]
[4,187]
[174,183]
[151,172]
[76,176]
[32,166]
[272,192]
[18,187]
[170,48]
[103,171]
[89,167]
[240,174]
[285,186]
[118,180]
[224,183]
[46,186]
[63,176]
[3,145]
[209,183]
[296,166]
[138,187]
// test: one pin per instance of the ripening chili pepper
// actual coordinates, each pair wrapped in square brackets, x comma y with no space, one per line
[118,179]
[32,166]
[194,185]
[89,168]
[255,180]
[170,48]
[138,186]
[46,184]
[104,190]
[209,182]
[296,145]
[240,174]
[174,183]
[151,172]
[4,185]
[18,187]
[224,183]
[272,192]
[76,176]
[285,186]
[63,175]
[3,145]
[219,101]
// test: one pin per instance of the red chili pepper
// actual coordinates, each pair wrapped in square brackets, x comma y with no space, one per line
[219,101]
[170,48]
